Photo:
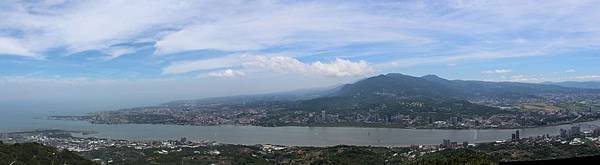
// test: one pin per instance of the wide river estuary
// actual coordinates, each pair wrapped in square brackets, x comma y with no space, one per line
[300,136]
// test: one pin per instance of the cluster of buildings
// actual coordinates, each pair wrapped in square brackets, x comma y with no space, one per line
[447,144]
[64,140]
[516,135]
[272,114]
[568,133]
[181,115]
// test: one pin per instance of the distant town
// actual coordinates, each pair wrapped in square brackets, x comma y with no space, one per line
[549,110]
[571,142]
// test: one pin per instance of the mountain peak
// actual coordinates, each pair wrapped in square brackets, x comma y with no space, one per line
[434,78]
[431,76]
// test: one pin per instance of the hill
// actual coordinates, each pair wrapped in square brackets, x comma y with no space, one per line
[34,153]
[576,84]
[387,100]
[431,86]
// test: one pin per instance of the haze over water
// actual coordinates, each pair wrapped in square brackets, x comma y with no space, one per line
[32,119]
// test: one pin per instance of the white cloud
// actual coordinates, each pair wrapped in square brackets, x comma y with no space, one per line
[10,46]
[497,71]
[570,70]
[91,25]
[523,78]
[118,51]
[185,25]
[476,55]
[587,77]
[337,68]
[264,25]
[227,73]
[341,68]
[439,32]
[199,65]
[277,63]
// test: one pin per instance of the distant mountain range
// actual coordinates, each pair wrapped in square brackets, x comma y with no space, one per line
[407,101]
[432,86]
[400,86]
[577,84]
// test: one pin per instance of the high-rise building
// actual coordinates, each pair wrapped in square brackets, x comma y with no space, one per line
[517,135]
[323,115]
[446,143]
[575,131]
[453,120]
[564,133]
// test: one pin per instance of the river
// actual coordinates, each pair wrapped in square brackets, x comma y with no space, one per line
[298,136]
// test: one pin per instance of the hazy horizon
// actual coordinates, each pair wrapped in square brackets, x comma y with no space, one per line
[107,54]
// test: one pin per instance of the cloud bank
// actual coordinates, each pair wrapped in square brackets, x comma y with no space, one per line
[281,64]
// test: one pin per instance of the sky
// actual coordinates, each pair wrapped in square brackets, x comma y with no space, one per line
[134,52]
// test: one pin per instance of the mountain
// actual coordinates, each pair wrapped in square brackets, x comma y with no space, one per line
[431,86]
[429,95]
[301,94]
[389,88]
[398,85]
[577,84]
[380,99]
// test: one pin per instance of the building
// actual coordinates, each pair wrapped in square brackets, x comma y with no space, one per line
[575,131]
[569,133]
[323,115]
[516,135]
[564,133]
[453,120]
[446,143]
[454,145]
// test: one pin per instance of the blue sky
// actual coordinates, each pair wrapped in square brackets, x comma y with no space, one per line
[153,51]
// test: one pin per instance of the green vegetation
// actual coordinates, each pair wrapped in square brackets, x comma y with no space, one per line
[238,154]
[538,150]
[33,153]
[459,156]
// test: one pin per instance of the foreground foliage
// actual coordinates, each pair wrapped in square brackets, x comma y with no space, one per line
[34,153]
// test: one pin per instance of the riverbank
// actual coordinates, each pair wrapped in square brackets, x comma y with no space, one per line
[289,135]
[351,125]
[184,151]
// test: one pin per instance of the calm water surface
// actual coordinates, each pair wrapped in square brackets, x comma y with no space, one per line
[303,136]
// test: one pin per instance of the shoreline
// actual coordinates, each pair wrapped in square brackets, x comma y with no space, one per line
[369,135]
[343,125]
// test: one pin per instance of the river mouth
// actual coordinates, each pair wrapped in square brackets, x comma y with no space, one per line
[290,135]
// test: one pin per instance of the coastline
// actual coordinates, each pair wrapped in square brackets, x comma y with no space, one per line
[352,125]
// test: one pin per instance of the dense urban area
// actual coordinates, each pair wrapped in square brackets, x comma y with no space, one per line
[391,100]
[548,110]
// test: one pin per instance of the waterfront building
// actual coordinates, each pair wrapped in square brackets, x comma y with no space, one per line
[445,143]
[515,136]
[564,133]
[575,131]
